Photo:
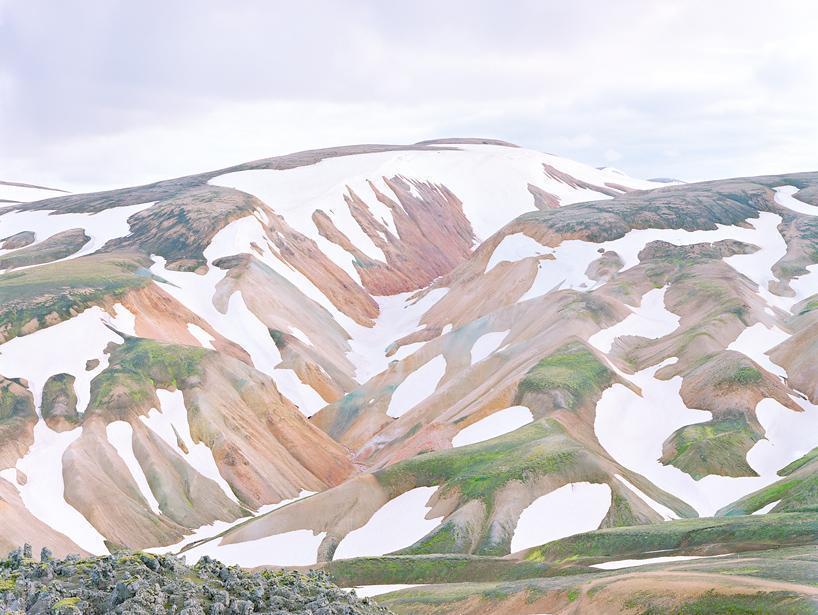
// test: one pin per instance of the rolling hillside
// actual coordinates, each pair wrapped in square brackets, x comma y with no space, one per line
[446,363]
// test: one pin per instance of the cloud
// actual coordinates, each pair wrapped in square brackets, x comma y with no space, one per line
[101,93]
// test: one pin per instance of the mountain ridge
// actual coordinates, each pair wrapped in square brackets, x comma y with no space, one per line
[274,362]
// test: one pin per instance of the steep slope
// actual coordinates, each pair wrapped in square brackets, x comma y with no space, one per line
[470,348]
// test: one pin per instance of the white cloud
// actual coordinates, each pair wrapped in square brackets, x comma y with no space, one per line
[157,89]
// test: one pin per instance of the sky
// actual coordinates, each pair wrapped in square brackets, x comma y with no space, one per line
[106,93]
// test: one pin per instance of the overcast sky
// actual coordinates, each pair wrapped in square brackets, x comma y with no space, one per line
[106,93]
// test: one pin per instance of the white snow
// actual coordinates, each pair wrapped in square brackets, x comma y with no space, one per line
[300,335]
[61,348]
[43,493]
[630,563]
[755,341]
[296,548]
[765,509]
[397,524]
[569,510]
[497,424]
[784,197]
[100,227]
[623,417]
[171,424]
[481,176]
[406,350]
[516,247]
[367,591]
[486,344]
[416,387]
[238,323]
[572,257]
[399,316]
[120,435]
[666,513]
[650,320]
[214,529]
[65,348]
[203,337]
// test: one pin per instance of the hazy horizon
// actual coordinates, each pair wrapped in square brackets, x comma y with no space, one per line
[103,94]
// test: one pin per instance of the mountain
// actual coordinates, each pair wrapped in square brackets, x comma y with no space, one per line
[449,362]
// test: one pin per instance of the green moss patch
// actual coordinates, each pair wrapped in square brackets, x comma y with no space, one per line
[573,370]
[479,470]
[140,366]
[35,298]
[732,533]
[718,447]
[405,569]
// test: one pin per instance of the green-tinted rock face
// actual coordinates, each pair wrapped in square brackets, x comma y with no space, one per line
[41,296]
[570,376]
[59,406]
[715,447]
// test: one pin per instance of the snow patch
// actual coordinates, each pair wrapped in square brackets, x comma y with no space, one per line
[238,323]
[755,341]
[765,509]
[296,548]
[101,227]
[203,337]
[398,316]
[397,524]
[43,493]
[650,320]
[666,513]
[516,247]
[416,387]
[214,529]
[120,435]
[630,563]
[171,424]
[623,417]
[367,591]
[486,344]
[497,424]
[569,510]
[65,348]
[784,196]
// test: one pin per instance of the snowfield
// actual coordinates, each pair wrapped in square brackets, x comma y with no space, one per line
[486,344]
[416,387]
[651,320]
[496,424]
[399,523]
[480,176]
[569,510]
[623,417]
[785,196]
[296,548]
[100,227]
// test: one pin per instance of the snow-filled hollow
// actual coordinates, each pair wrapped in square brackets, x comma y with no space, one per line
[496,424]
[650,320]
[572,509]
[399,523]
[416,387]
[486,344]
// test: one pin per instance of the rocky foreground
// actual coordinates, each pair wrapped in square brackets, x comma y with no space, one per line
[141,583]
